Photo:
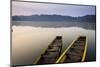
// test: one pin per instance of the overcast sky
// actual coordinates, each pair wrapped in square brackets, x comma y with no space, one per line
[27,8]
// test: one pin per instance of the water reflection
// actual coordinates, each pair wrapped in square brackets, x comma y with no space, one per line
[28,42]
[55,24]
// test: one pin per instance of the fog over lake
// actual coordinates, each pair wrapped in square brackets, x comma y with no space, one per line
[55,24]
[28,41]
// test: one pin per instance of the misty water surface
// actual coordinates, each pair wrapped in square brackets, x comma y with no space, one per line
[29,41]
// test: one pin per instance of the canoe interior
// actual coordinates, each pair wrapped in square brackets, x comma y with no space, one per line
[75,53]
[52,53]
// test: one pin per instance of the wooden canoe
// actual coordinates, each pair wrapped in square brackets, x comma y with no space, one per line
[76,52]
[52,53]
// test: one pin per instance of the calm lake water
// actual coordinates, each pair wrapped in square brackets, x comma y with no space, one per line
[29,41]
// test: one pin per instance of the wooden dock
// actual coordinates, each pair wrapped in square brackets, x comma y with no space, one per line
[52,53]
[76,52]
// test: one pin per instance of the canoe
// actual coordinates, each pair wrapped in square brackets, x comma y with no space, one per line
[52,53]
[75,52]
